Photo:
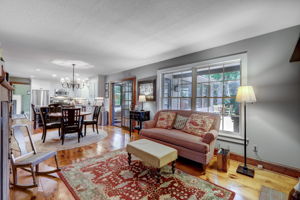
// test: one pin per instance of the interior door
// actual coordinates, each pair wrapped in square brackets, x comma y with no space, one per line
[127,101]
[116,104]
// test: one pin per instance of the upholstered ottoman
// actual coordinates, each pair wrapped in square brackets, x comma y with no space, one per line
[154,154]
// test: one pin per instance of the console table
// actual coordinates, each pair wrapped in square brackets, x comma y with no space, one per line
[140,117]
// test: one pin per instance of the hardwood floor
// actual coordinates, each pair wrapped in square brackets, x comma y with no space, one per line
[51,187]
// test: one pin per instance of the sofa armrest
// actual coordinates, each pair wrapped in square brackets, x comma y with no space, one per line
[149,124]
[210,136]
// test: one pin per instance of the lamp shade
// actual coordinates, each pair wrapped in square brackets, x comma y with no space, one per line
[245,94]
[142,98]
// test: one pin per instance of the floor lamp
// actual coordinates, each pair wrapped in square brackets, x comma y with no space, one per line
[245,95]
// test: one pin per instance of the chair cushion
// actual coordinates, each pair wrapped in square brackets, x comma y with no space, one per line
[165,120]
[180,122]
[36,158]
[89,122]
[198,124]
[53,124]
[176,137]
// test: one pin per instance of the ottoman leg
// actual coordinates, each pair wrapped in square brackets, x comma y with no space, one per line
[173,166]
[158,175]
[129,158]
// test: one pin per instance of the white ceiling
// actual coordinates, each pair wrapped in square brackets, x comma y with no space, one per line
[116,35]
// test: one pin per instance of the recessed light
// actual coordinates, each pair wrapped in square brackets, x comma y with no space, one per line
[54,75]
[37,69]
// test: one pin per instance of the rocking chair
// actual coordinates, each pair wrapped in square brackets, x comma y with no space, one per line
[27,159]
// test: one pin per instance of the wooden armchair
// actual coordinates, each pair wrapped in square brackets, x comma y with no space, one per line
[47,124]
[28,159]
[70,122]
[94,121]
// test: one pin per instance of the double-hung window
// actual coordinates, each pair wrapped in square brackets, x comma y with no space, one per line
[209,86]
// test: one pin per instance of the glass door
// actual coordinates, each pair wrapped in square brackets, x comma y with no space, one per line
[116,104]
[127,102]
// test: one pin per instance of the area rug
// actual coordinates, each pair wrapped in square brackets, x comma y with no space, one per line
[109,177]
[53,142]
[267,193]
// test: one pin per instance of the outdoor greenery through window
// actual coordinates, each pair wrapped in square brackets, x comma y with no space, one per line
[215,90]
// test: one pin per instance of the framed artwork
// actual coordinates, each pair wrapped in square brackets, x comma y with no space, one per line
[106,90]
[147,88]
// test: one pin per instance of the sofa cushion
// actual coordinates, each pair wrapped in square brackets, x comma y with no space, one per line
[177,137]
[165,120]
[180,122]
[198,124]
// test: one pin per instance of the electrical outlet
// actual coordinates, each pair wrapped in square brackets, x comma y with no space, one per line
[255,148]
[260,166]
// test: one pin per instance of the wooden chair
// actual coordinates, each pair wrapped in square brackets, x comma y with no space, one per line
[94,120]
[35,115]
[70,121]
[47,124]
[28,159]
[55,107]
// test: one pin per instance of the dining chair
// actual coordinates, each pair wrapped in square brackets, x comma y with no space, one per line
[55,107]
[28,158]
[35,115]
[94,120]
[47,124]
[70,121]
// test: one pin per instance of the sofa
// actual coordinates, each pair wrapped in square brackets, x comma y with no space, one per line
[193,147]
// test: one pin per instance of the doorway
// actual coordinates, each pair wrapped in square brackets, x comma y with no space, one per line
[116,104]
[122,101]
[21,99]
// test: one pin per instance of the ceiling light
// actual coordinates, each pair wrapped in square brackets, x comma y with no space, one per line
[74,83]
[37,69]
[69,63]
[54,75]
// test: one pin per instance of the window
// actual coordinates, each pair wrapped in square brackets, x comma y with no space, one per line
[177,90]
[209,86]
[216,91]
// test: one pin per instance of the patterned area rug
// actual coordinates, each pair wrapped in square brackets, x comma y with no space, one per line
[110,177]
[53,142]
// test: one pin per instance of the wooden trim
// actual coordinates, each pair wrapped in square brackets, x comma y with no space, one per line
[3,81]
[289,171]
[19,83]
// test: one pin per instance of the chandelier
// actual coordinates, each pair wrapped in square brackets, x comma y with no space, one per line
[74,83]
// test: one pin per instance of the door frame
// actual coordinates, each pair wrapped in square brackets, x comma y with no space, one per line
[111,95]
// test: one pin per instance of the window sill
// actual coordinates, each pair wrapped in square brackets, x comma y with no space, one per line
[236,139]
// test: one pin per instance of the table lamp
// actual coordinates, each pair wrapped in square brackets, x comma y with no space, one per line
[142,99]
[245,95]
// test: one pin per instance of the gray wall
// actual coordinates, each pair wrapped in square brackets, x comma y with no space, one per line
[273,122]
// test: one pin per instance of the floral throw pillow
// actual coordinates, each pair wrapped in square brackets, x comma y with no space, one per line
[180,122]
[198,124]
[165,120]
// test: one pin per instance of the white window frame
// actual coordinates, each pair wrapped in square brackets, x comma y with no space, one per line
[194,66]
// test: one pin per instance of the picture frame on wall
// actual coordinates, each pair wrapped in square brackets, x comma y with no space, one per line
[106,90]
[147,88]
